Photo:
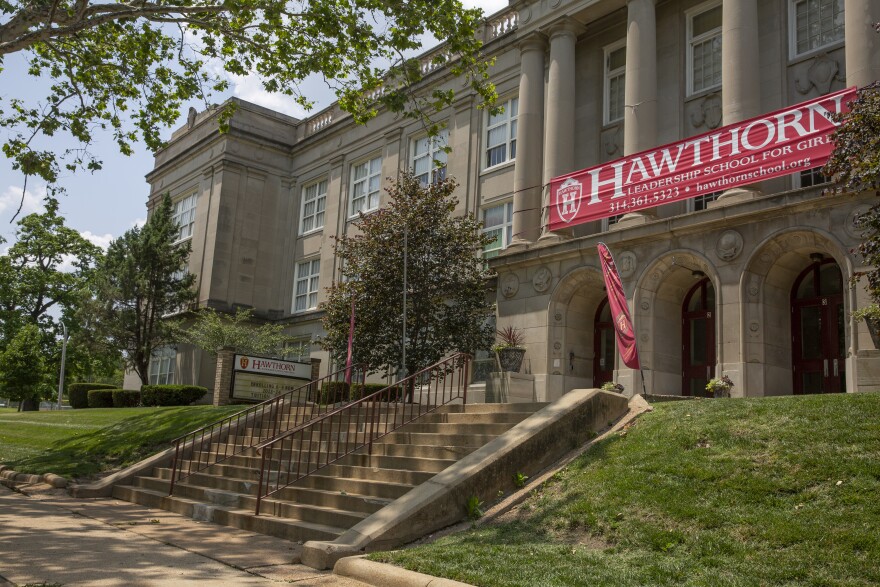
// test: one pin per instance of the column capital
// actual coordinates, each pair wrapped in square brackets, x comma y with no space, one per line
[535,41]
[565,26]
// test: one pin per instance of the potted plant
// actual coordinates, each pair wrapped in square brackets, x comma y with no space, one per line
[612,386]
[719,387]
[509,348]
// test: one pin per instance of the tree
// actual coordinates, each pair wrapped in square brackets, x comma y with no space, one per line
[855,166]
[129,66]
[23,368]
[213,331]
[141,280]
[446,307]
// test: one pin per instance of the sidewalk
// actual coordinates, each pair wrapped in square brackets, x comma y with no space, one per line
[51,538]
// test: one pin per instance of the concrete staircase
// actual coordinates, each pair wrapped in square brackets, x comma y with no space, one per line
[325,504]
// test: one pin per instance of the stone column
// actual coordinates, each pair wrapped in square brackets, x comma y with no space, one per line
[223,377]
[529,143]
[862,42]
[559,118]
[740,77]
[640,92]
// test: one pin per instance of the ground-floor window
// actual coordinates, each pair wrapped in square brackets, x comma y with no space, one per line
[162,366]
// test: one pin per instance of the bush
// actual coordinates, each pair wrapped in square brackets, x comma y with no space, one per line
[171,395]
[359,391]
[126,398]
[101,398]
[332,392]
[78,393]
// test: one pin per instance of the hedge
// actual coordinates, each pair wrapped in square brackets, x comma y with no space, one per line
[359,391]
[78,393]
[126,398]
[332,392]
[171,395]
[101,398]
[338,391]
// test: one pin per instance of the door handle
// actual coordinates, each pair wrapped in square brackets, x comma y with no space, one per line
[826,367]
[836,374]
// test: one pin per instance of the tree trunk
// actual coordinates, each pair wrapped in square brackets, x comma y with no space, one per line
[29,405]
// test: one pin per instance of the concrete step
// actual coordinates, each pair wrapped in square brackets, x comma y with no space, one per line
[456,429]
[512,418]
[427,438]
[295,530]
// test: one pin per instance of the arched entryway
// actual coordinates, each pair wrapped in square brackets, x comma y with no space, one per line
[604,345]
[698,338]
[817,329]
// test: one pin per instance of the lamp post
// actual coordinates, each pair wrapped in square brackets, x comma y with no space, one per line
[63,359]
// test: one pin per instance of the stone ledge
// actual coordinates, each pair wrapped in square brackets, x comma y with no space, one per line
[373,573]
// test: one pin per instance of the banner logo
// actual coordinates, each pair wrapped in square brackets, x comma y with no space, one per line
[622,325]
[568,199]
[244,362]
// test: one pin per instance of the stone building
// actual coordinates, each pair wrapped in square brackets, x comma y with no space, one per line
[752,282]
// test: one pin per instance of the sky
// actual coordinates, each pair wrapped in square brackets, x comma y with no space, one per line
[104,204]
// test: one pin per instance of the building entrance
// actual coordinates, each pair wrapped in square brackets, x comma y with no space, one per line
[604,345]
[698,338]
[817,325]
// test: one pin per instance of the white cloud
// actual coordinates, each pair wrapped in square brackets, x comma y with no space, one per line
[11,198]
[139,222]
[488,6]
[102,240]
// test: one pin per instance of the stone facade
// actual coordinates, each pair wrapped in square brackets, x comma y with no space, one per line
[711,283]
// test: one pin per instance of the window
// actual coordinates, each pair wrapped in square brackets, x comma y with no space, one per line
[305,295]
[162,366]
[498,223]
[702,202]
[314,196]
[428,157]
[704,47]
[501,134]
[615,75]
[298,350]
[810,177]
[365,186]
[184,215]
[814,24]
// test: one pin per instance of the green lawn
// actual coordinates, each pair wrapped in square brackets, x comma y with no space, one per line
[79,443]
[776,491]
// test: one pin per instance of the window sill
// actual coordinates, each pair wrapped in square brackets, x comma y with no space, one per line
[703,93]
[311,232]
[794,59]
[499,167]
[356,215]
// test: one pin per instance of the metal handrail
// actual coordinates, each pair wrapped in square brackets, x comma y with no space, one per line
[358,424]
[198,442]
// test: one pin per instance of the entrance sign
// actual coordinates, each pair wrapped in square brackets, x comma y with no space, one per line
[623,325]
[772,145]
[261,378]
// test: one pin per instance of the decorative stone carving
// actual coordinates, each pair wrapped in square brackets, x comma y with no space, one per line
[558,316]
[541,280]
[852,227]
[191,117]
[627,263]
[820,75]
[707,113]
[754,326]
[509,285]
[729,245]
[645,305]
[557,345]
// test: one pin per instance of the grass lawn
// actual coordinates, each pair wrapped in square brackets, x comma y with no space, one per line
[775,491]
[79,443]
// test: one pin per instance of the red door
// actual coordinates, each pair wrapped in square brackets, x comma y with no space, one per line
[817,330]
[698,338]
[604,345]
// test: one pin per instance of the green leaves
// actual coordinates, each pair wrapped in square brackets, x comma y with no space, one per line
[213,331]
[129,68]
[447,301]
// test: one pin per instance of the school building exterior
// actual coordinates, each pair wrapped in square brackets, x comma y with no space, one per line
[751,282]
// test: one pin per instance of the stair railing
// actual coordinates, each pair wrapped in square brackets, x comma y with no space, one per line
[192,451]
[322,441]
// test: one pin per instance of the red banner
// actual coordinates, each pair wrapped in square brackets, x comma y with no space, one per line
[776,144]
[623,325]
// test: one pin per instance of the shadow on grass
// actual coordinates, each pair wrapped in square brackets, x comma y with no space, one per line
[118,445]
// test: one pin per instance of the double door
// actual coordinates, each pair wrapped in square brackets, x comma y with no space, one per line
[817,323]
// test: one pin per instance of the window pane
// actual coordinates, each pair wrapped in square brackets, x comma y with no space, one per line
[707,21]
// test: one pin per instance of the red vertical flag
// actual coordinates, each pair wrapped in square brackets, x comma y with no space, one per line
[623,326]
[350,339]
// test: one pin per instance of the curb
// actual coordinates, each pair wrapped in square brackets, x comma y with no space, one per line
[380,574]
[10,476]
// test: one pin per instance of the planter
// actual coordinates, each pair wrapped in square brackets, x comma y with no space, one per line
[511,358]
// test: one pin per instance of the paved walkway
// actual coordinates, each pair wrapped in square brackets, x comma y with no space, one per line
[48,537]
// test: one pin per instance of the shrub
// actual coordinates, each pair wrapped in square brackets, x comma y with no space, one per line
[78,393]
[332,392]
[126,398]
[171,395]
[359,391]
[101,398]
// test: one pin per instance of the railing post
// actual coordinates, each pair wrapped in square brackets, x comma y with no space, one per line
[260,483]
[174,467]
[467,362]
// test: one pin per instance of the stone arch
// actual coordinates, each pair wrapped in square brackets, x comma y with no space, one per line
[572,309]
[656,304]
[765,290]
